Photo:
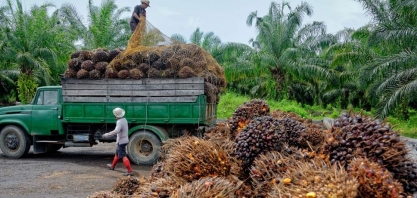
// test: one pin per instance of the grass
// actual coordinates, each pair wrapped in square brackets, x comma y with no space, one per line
[229,102]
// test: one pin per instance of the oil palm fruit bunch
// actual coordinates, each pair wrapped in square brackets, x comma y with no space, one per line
[144,67]
[362,136]
[262,134]
[294,130]
[268,169]
[166,54]
[94,74]
[75,54]
[280,114]
[74,64]
[220,131]
[151,57]
[100,55]
[101,66]
[110,73]
[122,74]
[112,54]
[207,188]
[154,73]
[374,180]
[159,65]
[187,62]
[137,57]
[186,72]
[158,171]
[173,63]
[69,73]
[220,136]
[82,73]
[315,178]
[184,53]
[194,158]
[85,55]
[313,136]
[136,74]
[245,112]
[87,65]
[211,91]
[161,188]
[127,186]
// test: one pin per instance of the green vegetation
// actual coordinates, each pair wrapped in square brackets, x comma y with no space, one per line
[297,66]
[229,102]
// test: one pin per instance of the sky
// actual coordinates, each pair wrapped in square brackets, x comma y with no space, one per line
[226,18]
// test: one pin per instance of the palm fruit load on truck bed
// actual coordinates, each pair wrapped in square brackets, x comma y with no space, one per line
[137,62]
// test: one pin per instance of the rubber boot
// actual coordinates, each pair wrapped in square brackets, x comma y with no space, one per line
[115,160]
[126,162]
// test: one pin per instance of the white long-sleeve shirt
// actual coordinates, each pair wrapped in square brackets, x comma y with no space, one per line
[121,130]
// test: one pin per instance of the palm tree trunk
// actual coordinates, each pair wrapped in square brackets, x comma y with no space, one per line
[345,99]
[279,77]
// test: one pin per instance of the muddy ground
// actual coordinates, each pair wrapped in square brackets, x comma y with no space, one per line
[70,172]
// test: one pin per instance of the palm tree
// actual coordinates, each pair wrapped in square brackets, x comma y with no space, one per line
[393,74]
[29,43]
[281,37]
[348,55]
[105,29]
[178,38]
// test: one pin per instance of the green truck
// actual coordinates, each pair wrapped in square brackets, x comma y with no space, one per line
[78,112]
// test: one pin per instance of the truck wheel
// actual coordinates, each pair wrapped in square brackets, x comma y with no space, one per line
[14,142]
[144,147]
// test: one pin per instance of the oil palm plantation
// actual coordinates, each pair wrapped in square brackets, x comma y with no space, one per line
[105,28]
[286,48]
[389,72]
[348,55]
[29,44]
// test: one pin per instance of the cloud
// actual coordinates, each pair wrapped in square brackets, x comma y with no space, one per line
[164,11]
[193,22]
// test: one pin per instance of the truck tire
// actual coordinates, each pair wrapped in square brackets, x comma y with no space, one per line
[144,147]
[14,142]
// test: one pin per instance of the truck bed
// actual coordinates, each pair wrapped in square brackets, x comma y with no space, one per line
[151,101]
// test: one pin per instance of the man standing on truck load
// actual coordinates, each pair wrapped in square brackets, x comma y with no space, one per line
[122,140]
[137,11]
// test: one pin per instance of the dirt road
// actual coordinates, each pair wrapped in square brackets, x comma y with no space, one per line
[70,172]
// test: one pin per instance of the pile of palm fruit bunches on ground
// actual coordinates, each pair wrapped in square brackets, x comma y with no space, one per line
[173,61]
[256,152]
[259,153]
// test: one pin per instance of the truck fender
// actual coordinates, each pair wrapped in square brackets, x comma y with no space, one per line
[159,131]
[17,123]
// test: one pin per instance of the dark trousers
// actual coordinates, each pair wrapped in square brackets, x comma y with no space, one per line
[133,26]
[121,150]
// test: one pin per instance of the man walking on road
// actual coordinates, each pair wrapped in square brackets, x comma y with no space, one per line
[121,130]
[137,11]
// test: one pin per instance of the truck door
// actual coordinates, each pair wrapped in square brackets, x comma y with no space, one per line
[45,113]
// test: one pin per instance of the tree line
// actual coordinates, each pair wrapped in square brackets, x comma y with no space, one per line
[373,67]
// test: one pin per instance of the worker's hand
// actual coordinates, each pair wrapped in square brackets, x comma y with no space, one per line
[104,136]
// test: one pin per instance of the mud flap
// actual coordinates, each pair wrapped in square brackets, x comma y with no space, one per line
[38,147]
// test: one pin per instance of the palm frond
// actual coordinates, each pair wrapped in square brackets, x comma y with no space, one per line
[400,34]
[179,38]
[196,37]
[404,92]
